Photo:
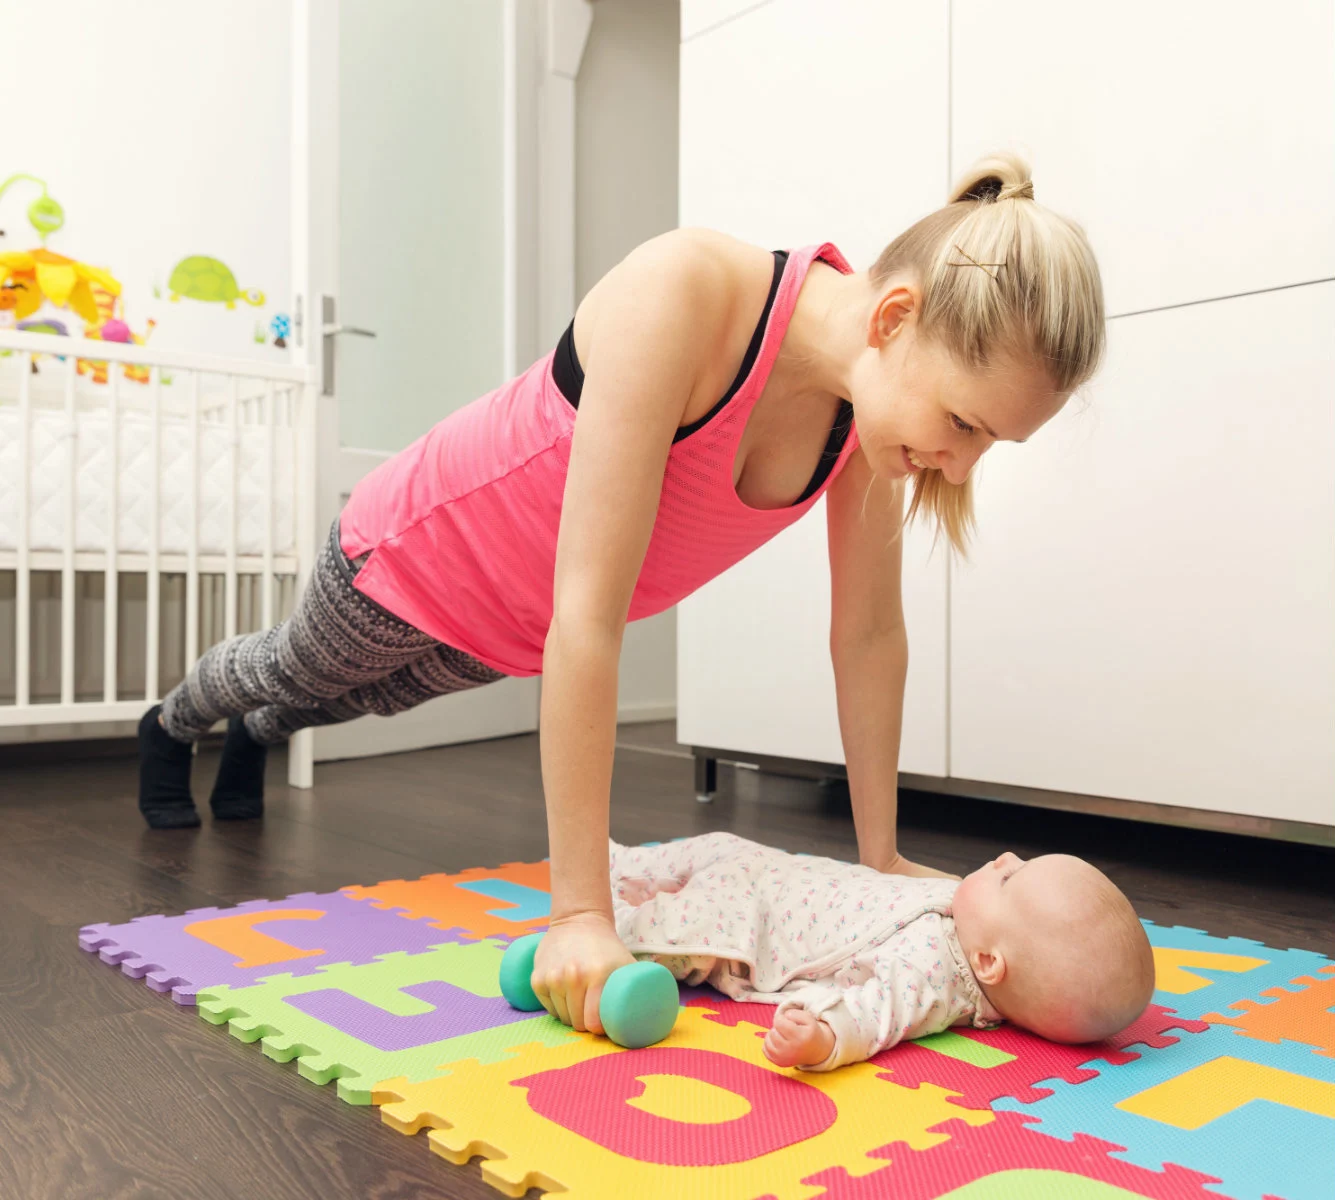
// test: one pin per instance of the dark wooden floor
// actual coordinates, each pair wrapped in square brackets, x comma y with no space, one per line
[108,1090]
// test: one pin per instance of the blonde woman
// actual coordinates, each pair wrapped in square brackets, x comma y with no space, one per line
[705,396]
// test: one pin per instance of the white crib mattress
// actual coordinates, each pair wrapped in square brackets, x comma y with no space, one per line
[49,463]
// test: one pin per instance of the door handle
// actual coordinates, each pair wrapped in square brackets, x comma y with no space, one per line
[331,328]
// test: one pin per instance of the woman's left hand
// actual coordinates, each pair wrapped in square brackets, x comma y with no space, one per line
[904,866]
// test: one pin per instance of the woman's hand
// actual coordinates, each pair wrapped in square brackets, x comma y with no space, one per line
[574,959]
[903,866]
[797,1039]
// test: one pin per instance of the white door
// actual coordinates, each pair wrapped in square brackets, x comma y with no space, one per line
[403,207]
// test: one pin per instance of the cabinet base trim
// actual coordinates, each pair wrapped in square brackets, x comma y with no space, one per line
[1102,806]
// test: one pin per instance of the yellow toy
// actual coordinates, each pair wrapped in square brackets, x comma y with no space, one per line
[111,327]
[44,275]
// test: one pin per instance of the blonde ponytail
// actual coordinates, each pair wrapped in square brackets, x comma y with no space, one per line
[1001,277]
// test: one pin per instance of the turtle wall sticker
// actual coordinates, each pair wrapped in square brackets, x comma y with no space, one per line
[198,277]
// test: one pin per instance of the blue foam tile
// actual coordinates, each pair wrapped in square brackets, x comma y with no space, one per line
[1259,1149]
[530,903]
[1225,987]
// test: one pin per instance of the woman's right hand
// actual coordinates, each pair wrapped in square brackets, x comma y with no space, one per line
[574,959]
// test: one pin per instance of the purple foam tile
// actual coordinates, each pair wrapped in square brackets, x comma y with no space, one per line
[239,946]
[457,1012]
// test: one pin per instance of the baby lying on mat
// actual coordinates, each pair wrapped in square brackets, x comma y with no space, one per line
[857,960]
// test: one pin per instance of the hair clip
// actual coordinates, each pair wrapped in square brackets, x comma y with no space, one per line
[973,262]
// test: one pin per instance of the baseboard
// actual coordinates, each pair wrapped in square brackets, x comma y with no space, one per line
[628,714]
[501,709]
[65,750]
[85,732]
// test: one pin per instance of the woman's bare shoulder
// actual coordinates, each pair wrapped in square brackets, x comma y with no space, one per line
[721,280]
[713,268]
[700,247]
[700,251]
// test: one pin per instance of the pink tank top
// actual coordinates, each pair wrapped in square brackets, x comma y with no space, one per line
[461,526]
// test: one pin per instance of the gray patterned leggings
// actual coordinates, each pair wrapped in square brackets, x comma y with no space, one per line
[338,656]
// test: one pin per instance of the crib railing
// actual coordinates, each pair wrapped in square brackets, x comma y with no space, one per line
[228,407]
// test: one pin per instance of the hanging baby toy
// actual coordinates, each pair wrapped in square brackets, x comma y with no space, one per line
[31,278]
[112,328]
[44,214]
[34,276]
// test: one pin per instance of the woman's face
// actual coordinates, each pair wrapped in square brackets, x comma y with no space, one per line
[916,409]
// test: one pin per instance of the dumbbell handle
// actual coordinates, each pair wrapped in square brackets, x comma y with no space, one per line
[638,1006]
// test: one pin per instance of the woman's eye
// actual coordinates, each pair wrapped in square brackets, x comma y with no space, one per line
[962,426]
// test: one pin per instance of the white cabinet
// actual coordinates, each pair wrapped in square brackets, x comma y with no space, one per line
[1150,613]
[767,158]
[753,657]
[1194,140]
[700,16]
[804,123]
[1149,610]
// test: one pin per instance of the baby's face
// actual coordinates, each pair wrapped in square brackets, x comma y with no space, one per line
[1054,944]
[1012,899]
[987,901]
[1012,892]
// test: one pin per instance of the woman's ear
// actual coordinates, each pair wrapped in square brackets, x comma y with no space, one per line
[895,309]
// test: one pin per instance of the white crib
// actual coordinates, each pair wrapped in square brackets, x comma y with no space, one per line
[141,522]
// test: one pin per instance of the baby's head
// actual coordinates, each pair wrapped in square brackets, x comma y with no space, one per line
[1055,946]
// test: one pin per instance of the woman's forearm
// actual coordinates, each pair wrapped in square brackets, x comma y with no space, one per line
[869,685]
[577,737]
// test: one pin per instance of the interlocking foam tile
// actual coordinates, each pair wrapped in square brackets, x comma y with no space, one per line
[966,1168]
[981,1065]
[1301,1016]
[1045,1185]
[1197,973]
[403,1014]
[723,1011]
[1224,1087]
[951,1060]
[702,1114]
[506,901]
[237,946]
[1255,1115]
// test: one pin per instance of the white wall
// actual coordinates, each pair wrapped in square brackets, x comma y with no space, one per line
[162,129]
[625,193]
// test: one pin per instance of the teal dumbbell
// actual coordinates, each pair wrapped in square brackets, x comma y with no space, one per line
[638,1006]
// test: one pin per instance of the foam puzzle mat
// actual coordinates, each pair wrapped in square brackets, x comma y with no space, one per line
[1225,1087]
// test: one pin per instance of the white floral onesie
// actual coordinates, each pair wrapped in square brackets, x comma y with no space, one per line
[873,955]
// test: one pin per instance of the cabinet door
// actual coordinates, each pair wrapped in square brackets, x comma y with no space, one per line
[793,131]
[1194,140]
[753,657]
[804,123]
[700,16]
[1150,613]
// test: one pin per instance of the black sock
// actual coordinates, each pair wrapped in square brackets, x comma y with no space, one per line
[164,776]
[238,792]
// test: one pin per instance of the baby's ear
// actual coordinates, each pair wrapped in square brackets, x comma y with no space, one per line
[989,967]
